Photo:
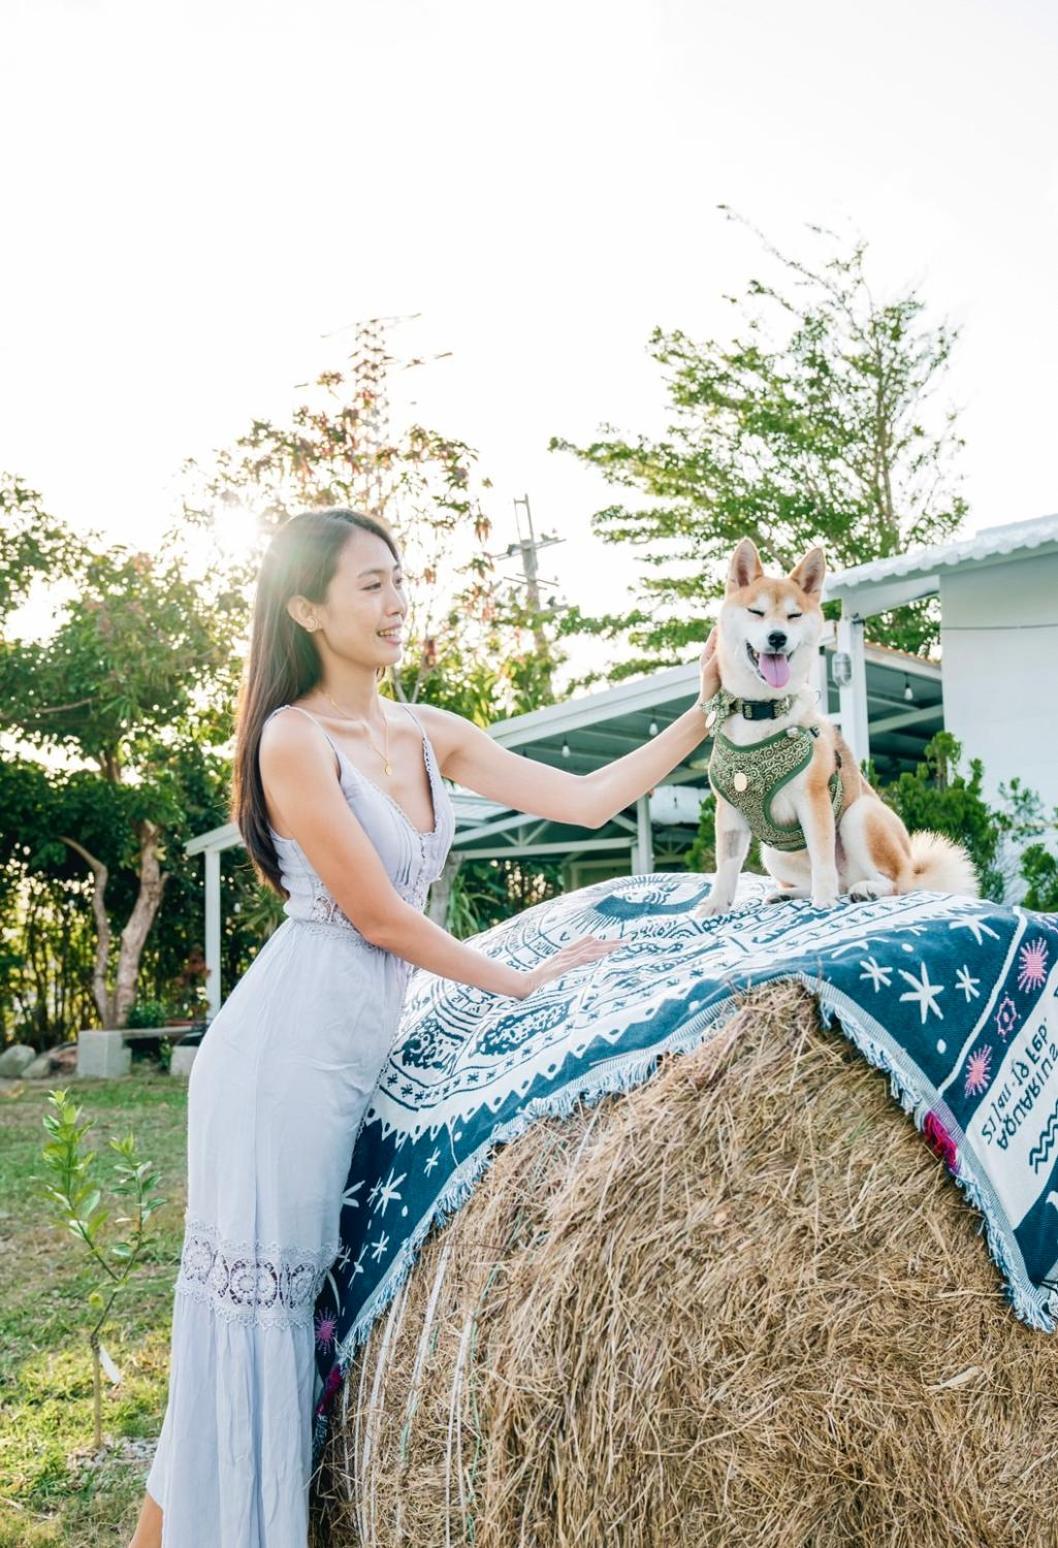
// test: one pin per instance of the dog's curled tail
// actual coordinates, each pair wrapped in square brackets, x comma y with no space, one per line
[939,865]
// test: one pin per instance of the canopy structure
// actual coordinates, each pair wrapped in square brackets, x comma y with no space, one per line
[904,709]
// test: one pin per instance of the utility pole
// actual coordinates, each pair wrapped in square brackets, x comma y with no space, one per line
[526,548]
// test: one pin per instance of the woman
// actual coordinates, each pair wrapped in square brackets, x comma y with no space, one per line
[338,794]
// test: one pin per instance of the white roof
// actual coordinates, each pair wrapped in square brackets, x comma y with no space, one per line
[987,546]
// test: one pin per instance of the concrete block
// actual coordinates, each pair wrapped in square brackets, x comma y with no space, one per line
[181,1060]
[103,1053]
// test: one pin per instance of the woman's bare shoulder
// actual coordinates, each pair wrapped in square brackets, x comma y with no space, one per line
[290,733]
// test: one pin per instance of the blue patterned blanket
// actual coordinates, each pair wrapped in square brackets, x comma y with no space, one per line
[954,998]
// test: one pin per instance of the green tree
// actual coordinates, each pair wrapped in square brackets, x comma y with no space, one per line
[138,663]
[474,646]
[34,546]
[172,968]
[814,423]
[1039,867]
[1027,831]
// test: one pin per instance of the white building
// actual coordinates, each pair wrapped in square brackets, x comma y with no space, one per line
[998,596]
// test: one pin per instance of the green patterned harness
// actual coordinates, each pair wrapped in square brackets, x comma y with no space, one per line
[762,769]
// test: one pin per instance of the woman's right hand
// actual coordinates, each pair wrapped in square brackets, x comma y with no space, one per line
[589,948]
[709,667]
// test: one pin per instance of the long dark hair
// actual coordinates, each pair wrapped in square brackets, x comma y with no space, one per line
[284,663]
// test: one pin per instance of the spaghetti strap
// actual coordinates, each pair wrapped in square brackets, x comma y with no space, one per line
[404,705]
[309,716]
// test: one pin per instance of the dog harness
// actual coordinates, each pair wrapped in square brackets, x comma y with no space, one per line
[749,778]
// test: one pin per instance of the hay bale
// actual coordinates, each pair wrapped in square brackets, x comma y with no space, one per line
[741,1305]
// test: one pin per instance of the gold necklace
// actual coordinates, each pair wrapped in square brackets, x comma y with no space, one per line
[370,740]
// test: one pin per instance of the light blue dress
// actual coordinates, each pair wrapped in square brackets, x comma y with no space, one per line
[277,1093]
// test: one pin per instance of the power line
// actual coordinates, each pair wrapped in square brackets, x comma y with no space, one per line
[371,363]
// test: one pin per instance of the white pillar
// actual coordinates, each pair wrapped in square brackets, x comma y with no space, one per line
[644,857]
[818,679]
[213,931]
[854,692]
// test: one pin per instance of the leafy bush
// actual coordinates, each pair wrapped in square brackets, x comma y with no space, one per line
[151,1013]
[1023,824]
[936,795]
[484,892]
[1040,870]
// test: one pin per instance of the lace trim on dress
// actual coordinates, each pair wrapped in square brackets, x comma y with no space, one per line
[266,1284]
[325,910]
[329,930]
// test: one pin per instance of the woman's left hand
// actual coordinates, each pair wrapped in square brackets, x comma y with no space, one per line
[710,667]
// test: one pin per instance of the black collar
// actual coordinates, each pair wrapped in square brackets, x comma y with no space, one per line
[762,709]
[722,704]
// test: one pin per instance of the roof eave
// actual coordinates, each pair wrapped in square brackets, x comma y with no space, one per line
[921,574]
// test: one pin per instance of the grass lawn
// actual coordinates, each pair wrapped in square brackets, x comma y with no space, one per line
[53,1490]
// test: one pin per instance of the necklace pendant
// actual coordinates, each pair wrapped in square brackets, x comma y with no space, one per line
[387,768]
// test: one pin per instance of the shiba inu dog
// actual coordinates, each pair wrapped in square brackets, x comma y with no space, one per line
[781,770]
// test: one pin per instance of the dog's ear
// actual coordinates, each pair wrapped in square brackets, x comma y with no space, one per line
[745,566]
[810,572]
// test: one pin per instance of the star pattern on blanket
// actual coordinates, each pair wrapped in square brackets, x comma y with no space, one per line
[922,992]
[387,1192]
[879,976]
[967,984]
[977,928]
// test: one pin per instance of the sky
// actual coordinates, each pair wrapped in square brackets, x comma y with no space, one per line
[198,198]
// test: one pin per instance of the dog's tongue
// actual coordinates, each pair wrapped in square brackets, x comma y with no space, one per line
[776,669]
